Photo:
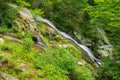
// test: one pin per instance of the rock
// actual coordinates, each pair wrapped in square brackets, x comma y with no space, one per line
[30,24]
[4,76]
[24,67]
[17,24]
[38,40]
[49,30]
[29,70]
[83,39]
[104,48]
[102,53]
[39,48]
[65,45]
[27,20]
[107,48]
[103,36]
[1,40]
[80,63]
[12,39]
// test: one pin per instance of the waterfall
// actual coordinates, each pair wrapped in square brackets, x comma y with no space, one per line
[86,50]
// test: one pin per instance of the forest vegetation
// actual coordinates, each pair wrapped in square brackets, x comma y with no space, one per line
[20,59]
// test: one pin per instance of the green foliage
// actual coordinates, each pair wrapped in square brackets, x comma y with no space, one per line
[66,15]
[109,70]
[37,11]
[106,15]
[22,3]
[7,15]
[61,62]
[28,43]
[15,54]
[52,72]
[57,63]
[4,29]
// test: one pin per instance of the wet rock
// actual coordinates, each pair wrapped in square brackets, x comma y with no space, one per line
[5,76]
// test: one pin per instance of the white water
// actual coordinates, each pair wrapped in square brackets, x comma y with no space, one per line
[85,48]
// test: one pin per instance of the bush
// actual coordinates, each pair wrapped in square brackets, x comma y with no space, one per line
[61,62]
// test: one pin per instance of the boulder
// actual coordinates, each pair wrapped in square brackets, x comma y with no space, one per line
[39,43]
[104,46]
[102,53]
[5,76]
[105,50]
[26,21]
[12,39]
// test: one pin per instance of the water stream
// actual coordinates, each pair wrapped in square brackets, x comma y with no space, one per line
[86,50]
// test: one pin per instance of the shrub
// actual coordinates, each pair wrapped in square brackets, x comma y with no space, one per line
[61,62]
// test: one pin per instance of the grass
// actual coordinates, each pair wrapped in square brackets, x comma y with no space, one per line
[55,64]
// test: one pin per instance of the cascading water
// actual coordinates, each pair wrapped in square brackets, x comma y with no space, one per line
[87,51]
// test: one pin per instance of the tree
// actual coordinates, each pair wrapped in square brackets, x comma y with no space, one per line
[67,15]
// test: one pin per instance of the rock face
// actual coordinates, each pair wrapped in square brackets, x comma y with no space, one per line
[38,42]
[104,48]
[4,76]
[27,22]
